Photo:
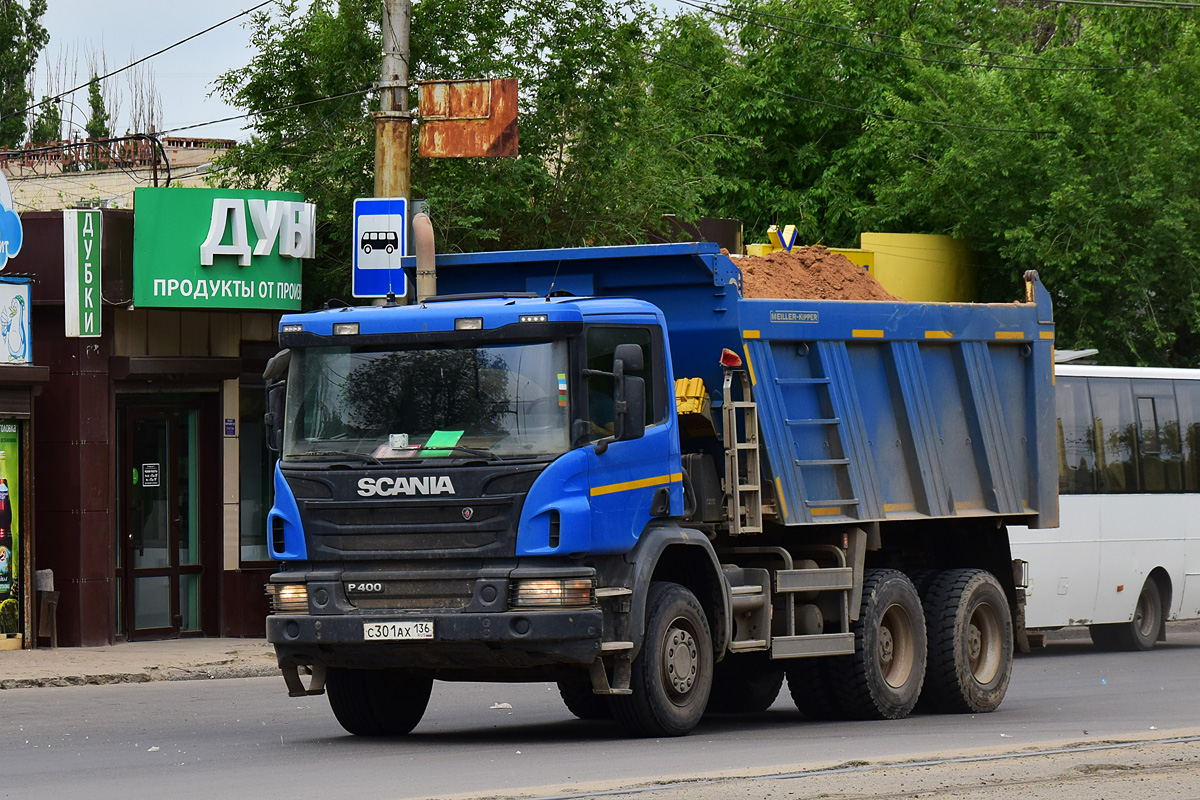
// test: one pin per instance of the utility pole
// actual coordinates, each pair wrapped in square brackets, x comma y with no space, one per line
[393,125]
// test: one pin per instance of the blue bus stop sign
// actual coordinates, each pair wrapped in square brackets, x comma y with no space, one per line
[380,240]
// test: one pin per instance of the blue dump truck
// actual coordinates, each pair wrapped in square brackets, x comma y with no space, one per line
[606,468]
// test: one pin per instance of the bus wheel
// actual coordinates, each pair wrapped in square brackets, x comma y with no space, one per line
[882,679]
[672,675]
[377,702]
[367,249]
[582,701]
[745,684]
[1141,632]
[970,642]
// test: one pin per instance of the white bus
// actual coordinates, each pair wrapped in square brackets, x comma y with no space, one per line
[1126,557]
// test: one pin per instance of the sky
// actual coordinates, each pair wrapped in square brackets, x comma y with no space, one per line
[126,30]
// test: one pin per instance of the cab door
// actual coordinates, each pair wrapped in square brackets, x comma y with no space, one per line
[631,482]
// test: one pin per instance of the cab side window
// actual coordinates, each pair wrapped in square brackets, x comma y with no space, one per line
[602,341]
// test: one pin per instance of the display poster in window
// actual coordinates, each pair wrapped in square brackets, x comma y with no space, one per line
[10,534]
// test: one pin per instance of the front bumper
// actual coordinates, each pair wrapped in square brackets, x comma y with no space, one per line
[463,641]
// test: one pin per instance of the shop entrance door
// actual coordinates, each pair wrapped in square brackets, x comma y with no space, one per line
[160,530]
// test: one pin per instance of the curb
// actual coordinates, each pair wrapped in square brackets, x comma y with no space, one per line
[199,673]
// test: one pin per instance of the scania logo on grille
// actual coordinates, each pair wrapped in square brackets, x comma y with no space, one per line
[468,513]
[387,487]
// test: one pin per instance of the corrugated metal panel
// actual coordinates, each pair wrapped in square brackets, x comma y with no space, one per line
[468,119]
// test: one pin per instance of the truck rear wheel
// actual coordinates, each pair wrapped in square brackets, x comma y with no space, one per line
[1141,632]
[882,679]
[810,689]
[745,684]
[377,702]
[582,701]
[672,675]
[970,643]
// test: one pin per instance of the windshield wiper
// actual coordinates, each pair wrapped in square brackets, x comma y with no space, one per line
[343,454]
[471,451]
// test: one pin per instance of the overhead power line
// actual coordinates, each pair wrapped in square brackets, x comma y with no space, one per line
[876,51]
[119,70]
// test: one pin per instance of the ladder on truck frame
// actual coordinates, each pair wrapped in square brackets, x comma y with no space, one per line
[743,486]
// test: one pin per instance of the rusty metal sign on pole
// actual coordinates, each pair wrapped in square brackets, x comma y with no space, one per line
[468,119]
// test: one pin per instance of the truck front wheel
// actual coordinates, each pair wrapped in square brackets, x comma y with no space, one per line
[882,679]
[377,702]
[970,642]
[672,675]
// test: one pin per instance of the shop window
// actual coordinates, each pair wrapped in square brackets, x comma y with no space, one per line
[256,473]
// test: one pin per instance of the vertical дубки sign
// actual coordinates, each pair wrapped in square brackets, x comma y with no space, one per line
[220,248]
[81,272]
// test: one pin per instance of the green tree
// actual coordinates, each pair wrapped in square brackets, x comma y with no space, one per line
[47,123]
[24,37]
[98,118]
[596,164]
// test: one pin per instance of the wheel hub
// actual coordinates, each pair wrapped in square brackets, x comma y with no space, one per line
[974,643]
[887,648]
[680,660]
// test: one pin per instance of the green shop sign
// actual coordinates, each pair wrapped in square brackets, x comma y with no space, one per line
[220,248]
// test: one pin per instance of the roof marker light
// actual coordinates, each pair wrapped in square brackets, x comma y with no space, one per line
[535,318]
[468,324]
[345,328]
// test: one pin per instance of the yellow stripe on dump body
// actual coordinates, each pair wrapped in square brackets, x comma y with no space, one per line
[779,494]
[831,511]
[751,334]
[1046,334]
[939,334]
[866,333]
[658,480]
[1010,334]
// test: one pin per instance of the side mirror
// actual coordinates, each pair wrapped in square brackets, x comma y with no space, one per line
[631,424]
[630,356]
[273,419]
[277,366]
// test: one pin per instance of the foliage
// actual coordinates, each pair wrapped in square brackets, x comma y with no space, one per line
[47,124]
[8,617]
[1056,138]
[595,162]
[22,31]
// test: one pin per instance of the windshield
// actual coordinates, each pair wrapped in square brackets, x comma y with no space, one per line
[492,402]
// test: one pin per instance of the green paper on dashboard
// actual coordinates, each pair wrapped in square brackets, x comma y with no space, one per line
[438,440]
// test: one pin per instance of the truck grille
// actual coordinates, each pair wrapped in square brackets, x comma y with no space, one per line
[368,529]
[411,593]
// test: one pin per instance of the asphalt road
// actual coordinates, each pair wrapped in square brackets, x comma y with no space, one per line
[246,738]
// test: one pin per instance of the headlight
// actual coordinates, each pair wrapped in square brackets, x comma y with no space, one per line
[288,598]
[553,593]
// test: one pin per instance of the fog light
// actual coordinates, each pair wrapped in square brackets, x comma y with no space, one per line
[468,324]
[553,593]
[345,329]
[288,598]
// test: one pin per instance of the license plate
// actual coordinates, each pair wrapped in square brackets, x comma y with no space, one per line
[380,631]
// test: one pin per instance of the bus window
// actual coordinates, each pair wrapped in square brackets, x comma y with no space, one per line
[1158,437]
[1188,393]
[1076,445]
[1115,430]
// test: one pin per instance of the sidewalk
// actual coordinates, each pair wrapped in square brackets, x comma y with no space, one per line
[137,662]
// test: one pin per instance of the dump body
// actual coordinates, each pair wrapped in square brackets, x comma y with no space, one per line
[936,409]
[504,486]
